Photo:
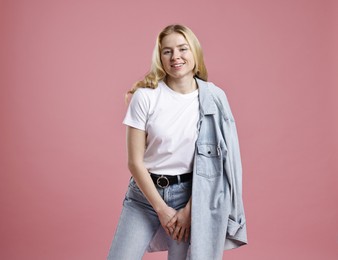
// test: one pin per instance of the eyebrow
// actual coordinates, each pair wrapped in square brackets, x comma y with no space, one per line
[181,45]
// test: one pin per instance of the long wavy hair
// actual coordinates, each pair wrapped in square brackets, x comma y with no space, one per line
[157,72]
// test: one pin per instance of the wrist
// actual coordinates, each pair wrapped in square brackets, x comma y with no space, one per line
[160,208]
[188,205]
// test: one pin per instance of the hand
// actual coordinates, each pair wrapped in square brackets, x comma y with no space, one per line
[179,225]
[165,215]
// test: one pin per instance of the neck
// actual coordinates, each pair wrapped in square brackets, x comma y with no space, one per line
[183,86]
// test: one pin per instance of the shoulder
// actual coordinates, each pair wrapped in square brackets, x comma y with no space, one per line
[221,100]
[209,88]
[145,92]
[217,92]
[145,98]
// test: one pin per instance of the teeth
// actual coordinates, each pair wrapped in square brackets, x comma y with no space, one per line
[177,65]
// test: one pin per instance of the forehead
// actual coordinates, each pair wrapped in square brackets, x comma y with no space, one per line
[173,40]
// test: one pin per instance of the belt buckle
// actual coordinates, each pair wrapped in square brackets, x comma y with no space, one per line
[162,182]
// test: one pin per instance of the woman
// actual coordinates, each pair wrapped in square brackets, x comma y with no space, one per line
[185,192]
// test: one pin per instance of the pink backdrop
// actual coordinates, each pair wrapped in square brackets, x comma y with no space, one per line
[64,69]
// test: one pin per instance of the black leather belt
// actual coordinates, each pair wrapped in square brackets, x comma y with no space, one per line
[163,181]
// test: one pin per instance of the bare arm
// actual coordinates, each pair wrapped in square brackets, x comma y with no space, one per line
[136,142]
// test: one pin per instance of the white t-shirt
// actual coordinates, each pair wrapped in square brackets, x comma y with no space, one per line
[170,121]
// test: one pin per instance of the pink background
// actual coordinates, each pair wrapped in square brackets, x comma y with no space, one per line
[64,69]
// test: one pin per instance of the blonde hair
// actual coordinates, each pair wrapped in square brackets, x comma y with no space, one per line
[157,72]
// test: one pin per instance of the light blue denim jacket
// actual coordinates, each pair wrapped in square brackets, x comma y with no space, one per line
[217,217]
[217,213]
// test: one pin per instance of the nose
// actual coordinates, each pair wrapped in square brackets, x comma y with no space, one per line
[175,55]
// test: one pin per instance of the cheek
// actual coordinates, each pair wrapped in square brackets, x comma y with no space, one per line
[164,61]
[190,58]
[192,61]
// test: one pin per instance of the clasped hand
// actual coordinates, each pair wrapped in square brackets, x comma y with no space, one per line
[177,223]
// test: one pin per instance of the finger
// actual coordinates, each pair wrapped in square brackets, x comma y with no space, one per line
[176,232]
[172,222]
[180,235]
[171,230]
[187,234]
[167,231]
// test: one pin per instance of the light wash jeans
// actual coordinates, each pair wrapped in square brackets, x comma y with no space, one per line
[139,222]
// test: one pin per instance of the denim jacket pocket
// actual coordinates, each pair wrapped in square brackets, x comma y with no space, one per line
[208,160]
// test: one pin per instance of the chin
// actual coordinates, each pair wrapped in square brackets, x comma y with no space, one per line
[181,75]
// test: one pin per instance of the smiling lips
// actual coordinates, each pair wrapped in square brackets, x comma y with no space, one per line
[177,65]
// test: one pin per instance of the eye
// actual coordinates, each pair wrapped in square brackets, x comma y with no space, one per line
[165,52]
[183,49]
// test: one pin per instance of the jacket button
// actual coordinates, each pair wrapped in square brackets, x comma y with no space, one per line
[209,152]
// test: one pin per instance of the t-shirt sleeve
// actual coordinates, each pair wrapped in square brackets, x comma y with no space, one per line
[137,112]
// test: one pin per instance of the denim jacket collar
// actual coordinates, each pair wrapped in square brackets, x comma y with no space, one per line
[207,104]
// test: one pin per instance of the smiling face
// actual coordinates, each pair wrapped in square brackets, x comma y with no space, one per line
[176,57]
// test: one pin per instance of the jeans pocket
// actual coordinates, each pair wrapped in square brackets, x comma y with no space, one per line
[133,185]
[187,185]
[209,160]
